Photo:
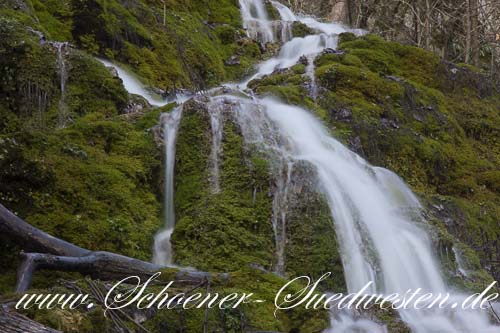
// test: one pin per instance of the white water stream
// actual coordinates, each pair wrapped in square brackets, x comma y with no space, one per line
[382,234]
[63,78]
[216,124]
[134,86]
[162,254]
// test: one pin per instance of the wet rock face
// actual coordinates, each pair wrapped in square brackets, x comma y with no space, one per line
[17,5]
[136,104]
[334,10]
[456,78]
[233,61]
[311,240]
[342,114]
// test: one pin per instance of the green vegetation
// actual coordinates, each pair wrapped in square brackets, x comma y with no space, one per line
[227,230]
[434,124]
[88,172]
[189,51]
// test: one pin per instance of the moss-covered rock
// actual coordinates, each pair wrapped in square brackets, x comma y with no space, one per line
[299,29]
[225,230]
[311,248]
[433,123]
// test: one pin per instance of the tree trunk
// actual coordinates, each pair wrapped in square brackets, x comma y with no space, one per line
[57,254]
[13,322]
[468,32]
[474,26]
[30,238]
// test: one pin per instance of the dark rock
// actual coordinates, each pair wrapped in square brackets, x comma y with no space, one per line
[333,51]
[355,144]
[389,123]
[233,61]
[343,114]
[278,71]
[157,91]
[113,71]
[76,152]
[394,78]
[303,60]
[456,78]
[418,117]
[136,104]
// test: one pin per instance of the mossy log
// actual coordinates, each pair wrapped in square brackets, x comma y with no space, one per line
[55,254]
[13,322]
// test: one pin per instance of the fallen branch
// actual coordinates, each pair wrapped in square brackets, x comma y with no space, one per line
[55,254]
[13,322]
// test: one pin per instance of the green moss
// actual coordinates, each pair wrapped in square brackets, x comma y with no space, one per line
[299,29]
[311,248]
[231,228]
[272,12]
[188,51]
[434,124]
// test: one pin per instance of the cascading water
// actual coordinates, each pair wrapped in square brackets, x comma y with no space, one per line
[380,228]
[378,222]
[162,254]
[285,12]
[63,77]
[287,20]
[280,209]
[216,123]
[134,86]
[258,132]
[256,20]
[311,73]
[291,52]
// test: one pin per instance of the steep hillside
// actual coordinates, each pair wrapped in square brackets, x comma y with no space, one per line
[432,122]
[83,159]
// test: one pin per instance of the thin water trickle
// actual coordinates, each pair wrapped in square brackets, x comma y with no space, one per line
[162,254]
[280,211]
[215,109]
[134,86]
[63,77]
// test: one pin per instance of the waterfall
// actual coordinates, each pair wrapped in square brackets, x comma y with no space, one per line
[256,20]
[63,77]
[134,86]
[162,254]
[258,131]
[291,52]
[285,12]
[382,233]
[280,209]
[311,73]
[216,123]
[287,20]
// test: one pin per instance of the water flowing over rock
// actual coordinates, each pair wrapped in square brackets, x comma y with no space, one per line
[216,109]
[256,20]
[162,254]
[383,235]
[311,73]
[133,85]
[259,132]
[63,78]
